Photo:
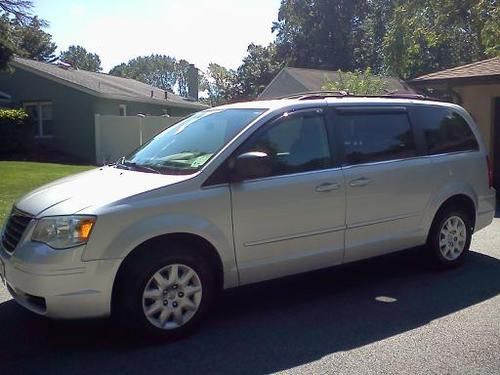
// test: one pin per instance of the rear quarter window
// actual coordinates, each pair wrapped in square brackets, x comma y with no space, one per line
[445,131]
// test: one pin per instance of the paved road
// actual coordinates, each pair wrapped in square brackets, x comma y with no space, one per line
[331,321]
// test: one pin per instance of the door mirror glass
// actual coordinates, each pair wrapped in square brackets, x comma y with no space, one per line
[251,165]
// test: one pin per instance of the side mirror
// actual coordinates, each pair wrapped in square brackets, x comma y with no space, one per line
[251,165]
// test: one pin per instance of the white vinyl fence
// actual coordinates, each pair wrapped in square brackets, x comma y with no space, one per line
[116,136]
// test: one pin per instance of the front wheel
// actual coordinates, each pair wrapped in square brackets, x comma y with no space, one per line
[172,296]
[450,237]
[165,295]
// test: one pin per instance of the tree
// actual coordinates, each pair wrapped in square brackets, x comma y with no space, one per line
[20,10]
[156,70]
[79,58]
[257,70]
[32,42]
[357,83]
[319,33]
[182,71]
[220,84]
[120,70]
[405,38]
[429,35]
[488,14]
[7,47]
[368,51]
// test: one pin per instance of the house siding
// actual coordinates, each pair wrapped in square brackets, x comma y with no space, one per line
[72,110]
[478,100]
[282,85]
[112,107]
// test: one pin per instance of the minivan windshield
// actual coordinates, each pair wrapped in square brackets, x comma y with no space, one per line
[188,145]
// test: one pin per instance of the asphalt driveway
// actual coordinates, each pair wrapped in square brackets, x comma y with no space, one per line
[394,314]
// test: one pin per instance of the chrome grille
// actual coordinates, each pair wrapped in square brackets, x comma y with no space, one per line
[14,229]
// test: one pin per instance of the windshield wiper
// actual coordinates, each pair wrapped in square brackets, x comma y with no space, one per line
[134,166]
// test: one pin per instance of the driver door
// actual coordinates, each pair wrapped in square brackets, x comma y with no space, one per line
[292,220]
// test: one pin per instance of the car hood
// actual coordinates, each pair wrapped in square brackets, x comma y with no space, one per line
[93,188]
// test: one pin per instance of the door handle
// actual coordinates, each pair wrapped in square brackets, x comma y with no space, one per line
[358,182]
[326,187]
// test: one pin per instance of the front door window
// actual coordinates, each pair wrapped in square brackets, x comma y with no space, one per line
[295,144]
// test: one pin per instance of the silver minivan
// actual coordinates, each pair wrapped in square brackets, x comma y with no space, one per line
[244,193]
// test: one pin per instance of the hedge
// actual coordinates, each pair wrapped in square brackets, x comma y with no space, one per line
[18,115]
[16,131]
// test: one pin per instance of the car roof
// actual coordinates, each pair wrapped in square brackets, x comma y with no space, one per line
[341,100]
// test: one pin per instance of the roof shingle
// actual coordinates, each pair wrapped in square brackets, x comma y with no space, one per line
[105,85]
[483,68]
[314,79]
[289,79]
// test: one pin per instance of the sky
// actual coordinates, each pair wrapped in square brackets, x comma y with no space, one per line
[200,31]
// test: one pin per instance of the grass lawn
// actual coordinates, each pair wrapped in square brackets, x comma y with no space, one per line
[18,178]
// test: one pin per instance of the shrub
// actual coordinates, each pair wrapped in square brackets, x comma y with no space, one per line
[357,83]
[16,132]
[18,115]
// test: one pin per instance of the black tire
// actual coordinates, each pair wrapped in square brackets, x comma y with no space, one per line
[433,240]
[128,307]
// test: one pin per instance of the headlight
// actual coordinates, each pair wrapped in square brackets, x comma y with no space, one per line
[61,232]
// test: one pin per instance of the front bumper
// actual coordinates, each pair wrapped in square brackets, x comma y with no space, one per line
[57,283]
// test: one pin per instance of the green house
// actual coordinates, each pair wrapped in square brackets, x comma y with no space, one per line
[63,102]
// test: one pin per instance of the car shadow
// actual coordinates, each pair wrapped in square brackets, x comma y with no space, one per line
[262,328]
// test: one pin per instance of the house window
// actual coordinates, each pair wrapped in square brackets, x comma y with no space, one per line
[123,110]
[41,114]
[5,98]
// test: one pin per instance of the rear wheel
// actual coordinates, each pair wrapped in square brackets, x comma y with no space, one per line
[165,293]
[450,237]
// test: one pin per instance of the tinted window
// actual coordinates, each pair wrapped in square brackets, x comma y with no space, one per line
[446,131]
[376,136]
[295,144]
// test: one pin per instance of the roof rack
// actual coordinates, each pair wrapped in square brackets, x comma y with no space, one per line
[403,95]
[311,95]
[410,95]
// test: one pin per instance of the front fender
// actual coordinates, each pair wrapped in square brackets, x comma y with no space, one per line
[116,236]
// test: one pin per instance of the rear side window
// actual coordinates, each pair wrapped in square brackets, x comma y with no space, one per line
[375,137]
[446,131]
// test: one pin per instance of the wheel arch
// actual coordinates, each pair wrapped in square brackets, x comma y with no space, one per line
[197,243]
[457,200]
